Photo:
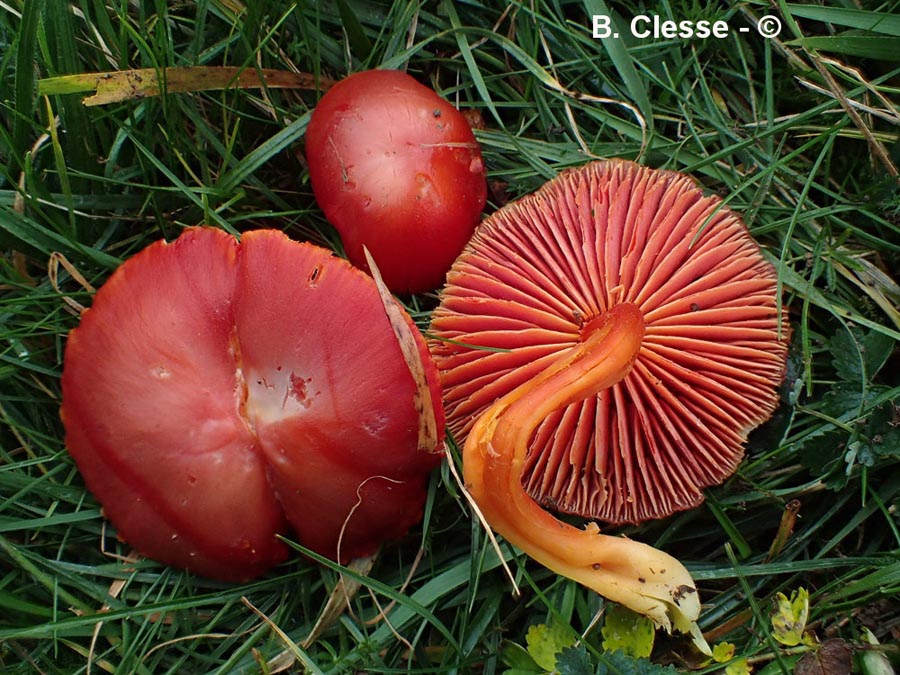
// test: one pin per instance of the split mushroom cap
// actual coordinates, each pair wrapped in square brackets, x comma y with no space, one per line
[541,273]
[218,394]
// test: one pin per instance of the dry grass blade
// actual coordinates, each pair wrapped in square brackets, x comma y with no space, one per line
[876,147]
[876,284]
[403,330]
[484,523]
[339,598]
[124,85]
[293,651]
[57,259]
[785,529]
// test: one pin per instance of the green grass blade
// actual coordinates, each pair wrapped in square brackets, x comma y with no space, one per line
[623,62]
[24,103]
[876,22]
[869,46]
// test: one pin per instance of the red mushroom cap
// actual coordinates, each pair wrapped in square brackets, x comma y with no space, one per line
[217,391]
[541,273]
[397,170]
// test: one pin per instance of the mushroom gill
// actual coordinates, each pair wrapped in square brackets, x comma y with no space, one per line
[664,291]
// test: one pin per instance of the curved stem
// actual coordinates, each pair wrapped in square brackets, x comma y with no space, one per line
[636,575]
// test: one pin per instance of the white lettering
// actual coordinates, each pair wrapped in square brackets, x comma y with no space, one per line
[601,26]
[635,31]
[668,29]
[653,26]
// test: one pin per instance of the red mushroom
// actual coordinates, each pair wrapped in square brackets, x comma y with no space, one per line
[606,345]
[397,170]
[217,391]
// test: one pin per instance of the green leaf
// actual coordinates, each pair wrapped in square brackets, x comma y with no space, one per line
[873,434]
[545,641]
[738,667]
[618,663]
[24,103]
[789,618]
[623,62]
[877,22]
[627,630]
[843,401]
[857,354]
[518,659]
[33,233]
[879,434]
[360,45]
[722,652]
[871,46]
[872,661]
[574,661]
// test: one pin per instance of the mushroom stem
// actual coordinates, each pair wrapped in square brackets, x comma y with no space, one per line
[636,575]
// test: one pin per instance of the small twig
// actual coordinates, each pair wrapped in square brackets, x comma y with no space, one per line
[785,528]
[856,73]
[875,112]
[57,259]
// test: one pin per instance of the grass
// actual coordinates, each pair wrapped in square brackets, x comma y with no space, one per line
[799,133]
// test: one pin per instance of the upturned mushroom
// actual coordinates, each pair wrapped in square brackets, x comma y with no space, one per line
[605,346]
[219,394]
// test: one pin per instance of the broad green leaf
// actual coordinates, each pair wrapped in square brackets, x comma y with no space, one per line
[518,659]
[722,652]
[545,641]
[873,661]
[857,354]
[739,667]
[629,631]
[574,661]
[360,45]
[618,663]
[789,618]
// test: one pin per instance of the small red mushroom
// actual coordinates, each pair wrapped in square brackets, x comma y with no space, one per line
[218,392]
[605,346]
[396,169]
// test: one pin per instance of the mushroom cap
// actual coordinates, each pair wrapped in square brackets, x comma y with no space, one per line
[533,282]
[218,391]
[397,170]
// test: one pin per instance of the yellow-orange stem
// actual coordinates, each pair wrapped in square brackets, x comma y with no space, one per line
[636,575]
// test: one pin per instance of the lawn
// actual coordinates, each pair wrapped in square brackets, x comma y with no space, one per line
[800,133]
